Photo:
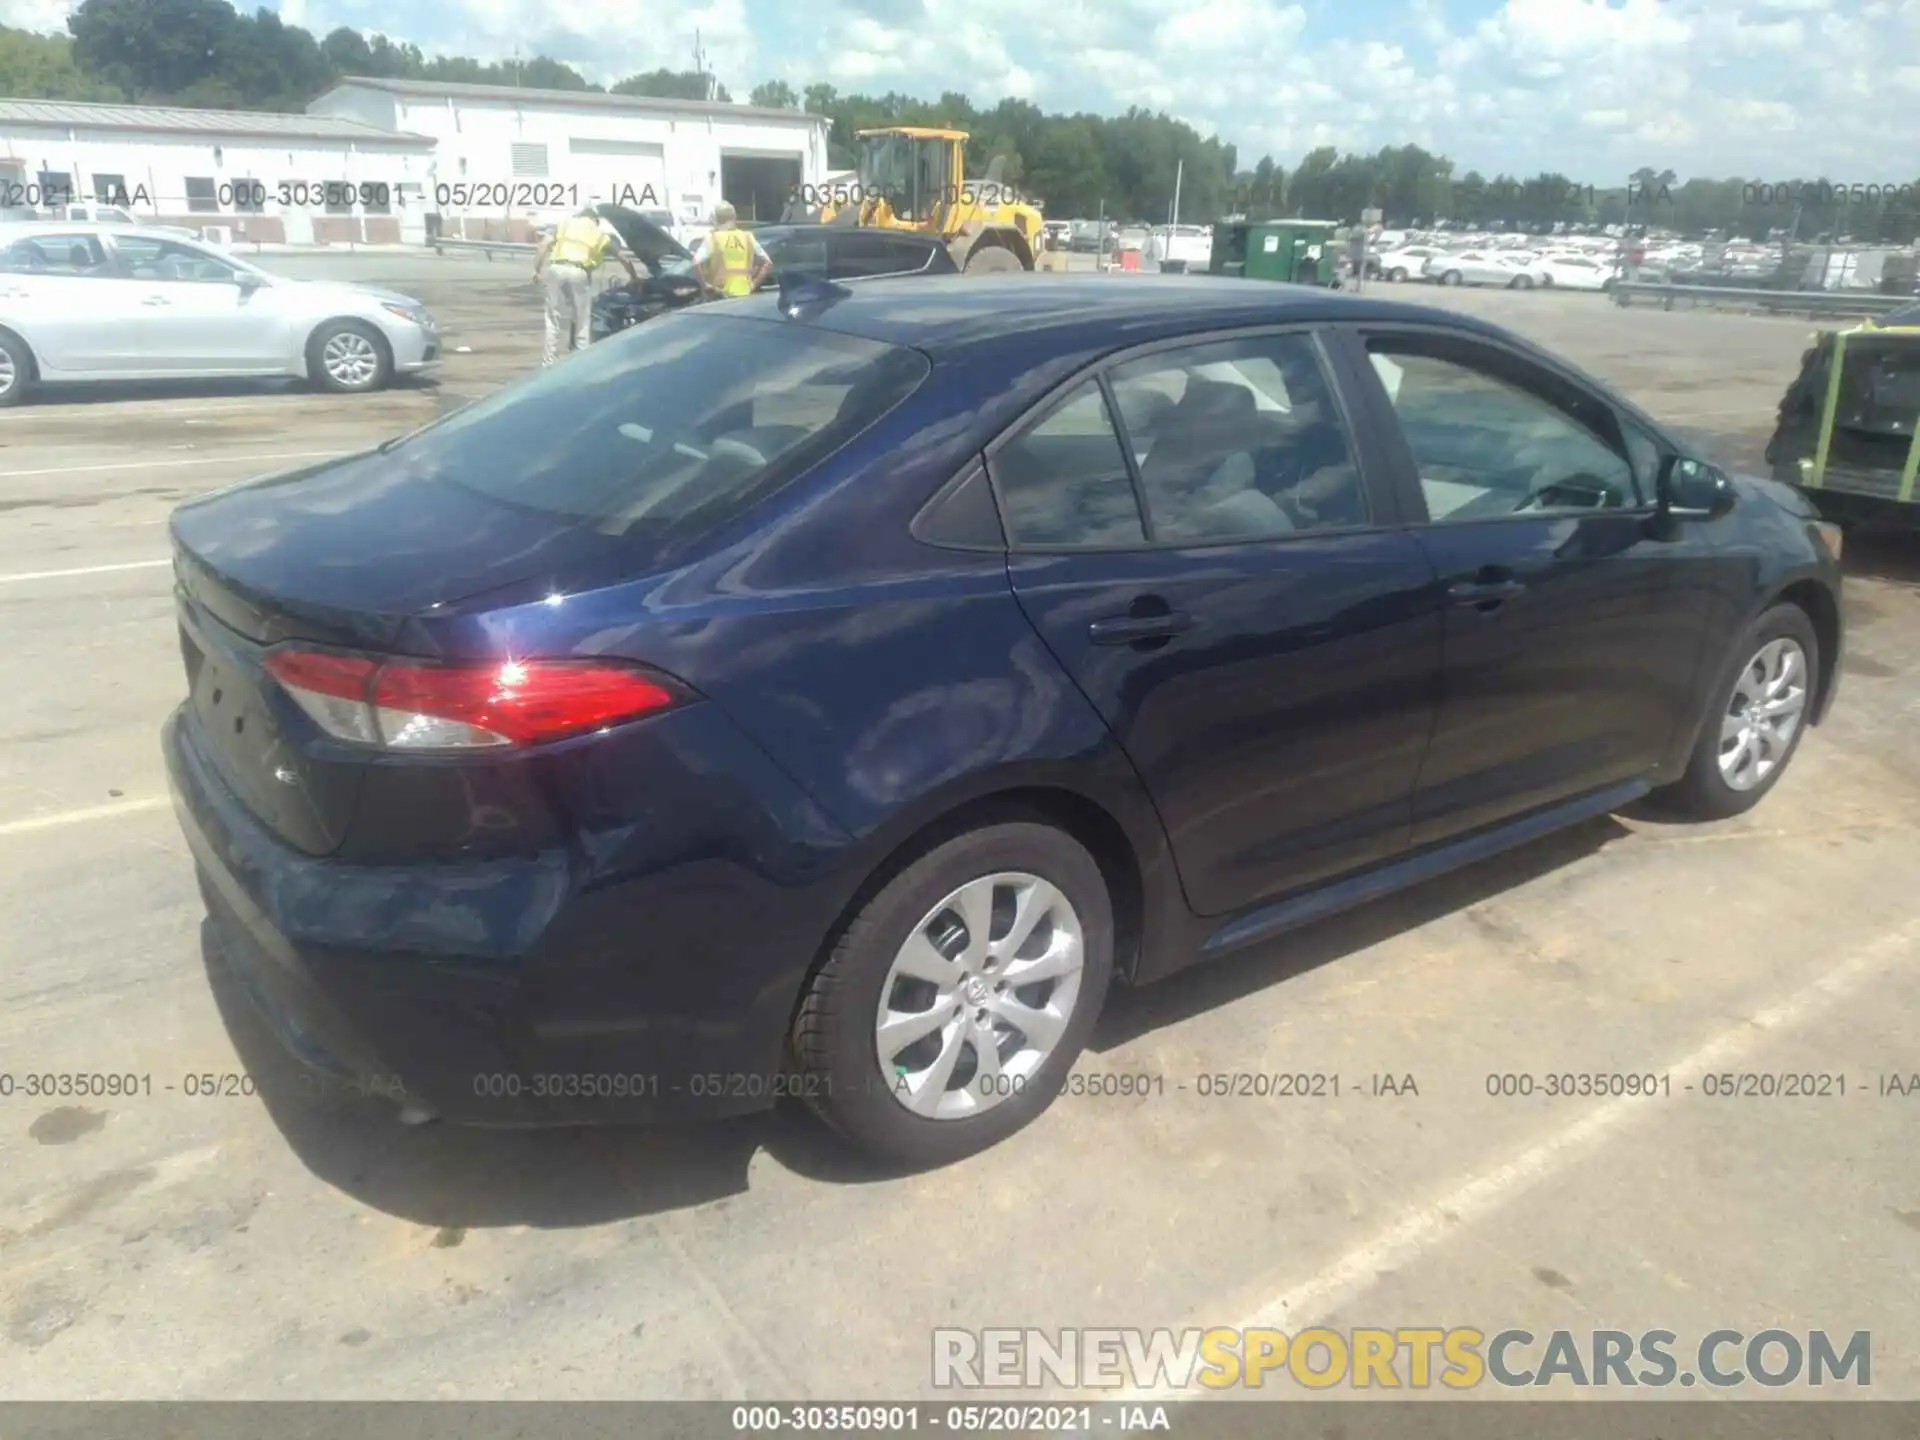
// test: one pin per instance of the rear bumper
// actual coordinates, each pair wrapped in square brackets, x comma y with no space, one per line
[570,1003]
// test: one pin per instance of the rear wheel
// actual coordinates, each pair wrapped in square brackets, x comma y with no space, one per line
[16,369]
[1398,275]
[953,1007]
[993,260]
[1758,715]
[1520,282]
[349,356]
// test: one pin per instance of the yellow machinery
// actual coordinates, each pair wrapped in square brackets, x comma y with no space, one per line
[912,178]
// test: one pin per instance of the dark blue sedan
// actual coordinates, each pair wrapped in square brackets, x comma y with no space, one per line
[831,694]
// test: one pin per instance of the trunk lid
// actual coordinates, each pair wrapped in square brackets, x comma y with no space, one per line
[340,554]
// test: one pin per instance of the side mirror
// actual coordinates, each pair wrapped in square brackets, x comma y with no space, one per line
[1693,490]
[249,282]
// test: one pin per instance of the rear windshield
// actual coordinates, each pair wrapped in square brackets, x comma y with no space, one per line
[669,428]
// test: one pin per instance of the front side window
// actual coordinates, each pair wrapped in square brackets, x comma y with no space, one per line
[669,428]
[873,253]
[145,258]
[1239,440]
[1064,483]
[1485,447]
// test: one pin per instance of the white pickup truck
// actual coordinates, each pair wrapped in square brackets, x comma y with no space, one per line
[1173,249]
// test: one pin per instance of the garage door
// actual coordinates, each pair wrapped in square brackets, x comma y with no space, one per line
[759,183]
[628,172]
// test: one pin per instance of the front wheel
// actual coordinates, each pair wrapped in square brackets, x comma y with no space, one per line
[1397,275]
[1451,277]
[1520,282]
[1758,714]
[349,356]
[951,1010]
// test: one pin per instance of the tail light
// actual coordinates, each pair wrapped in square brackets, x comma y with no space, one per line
[402,705]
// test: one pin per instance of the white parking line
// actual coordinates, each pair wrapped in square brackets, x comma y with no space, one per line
[83,570]
[211,458]
[80,817]
[1429,1225]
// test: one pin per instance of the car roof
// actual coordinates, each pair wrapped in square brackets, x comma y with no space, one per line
[943,315]
[19,229]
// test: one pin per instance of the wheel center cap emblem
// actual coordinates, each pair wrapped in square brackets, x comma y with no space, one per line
[975,989]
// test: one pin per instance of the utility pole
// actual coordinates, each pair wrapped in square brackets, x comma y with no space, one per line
[700,67]
[1179,170]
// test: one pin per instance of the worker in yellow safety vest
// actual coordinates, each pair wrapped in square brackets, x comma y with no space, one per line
[577,247]
[731,261]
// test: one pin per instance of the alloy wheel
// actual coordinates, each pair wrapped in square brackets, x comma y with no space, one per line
[350,359]
[979,995]
[1764,713]
[9,372]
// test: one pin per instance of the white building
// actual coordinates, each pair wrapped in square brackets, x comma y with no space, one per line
[506,157]
[275,178]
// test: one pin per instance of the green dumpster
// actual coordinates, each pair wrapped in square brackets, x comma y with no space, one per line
[1298,252]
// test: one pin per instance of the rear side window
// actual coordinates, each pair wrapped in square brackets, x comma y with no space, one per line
[670,428]
[1064,483]
[54,255]
[1239,440]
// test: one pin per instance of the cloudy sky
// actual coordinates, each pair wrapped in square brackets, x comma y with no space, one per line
[1787,89]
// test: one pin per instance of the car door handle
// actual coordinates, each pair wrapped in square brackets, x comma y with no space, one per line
[156,300]
[1131,629]
[1486,593]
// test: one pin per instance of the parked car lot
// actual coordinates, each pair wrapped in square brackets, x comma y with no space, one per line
[740,1258]
[89,304]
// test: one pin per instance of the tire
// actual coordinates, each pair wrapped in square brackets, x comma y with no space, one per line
[16,369]
[835,1045]
[1398,275]
[1705,791]
[349,357]
[1451,277]
[993,260]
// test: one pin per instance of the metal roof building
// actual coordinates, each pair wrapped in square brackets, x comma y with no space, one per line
[239,174]
[385,161]
[497,144]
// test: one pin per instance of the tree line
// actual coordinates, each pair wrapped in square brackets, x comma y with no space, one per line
[204,53]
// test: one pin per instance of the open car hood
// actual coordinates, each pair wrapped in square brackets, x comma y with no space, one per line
[644,238]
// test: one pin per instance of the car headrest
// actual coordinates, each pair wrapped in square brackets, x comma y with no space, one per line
[1216,400]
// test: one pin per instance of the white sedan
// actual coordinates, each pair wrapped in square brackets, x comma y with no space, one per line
[1404,262]
[81,303]
[1574,272]
[1483,267]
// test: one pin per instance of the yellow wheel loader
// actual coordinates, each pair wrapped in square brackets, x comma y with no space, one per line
[911,178]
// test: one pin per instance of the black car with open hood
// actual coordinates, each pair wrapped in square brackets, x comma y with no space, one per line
[670,282]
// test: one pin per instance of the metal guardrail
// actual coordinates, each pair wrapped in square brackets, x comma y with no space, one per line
[440,244]
[1806,302]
